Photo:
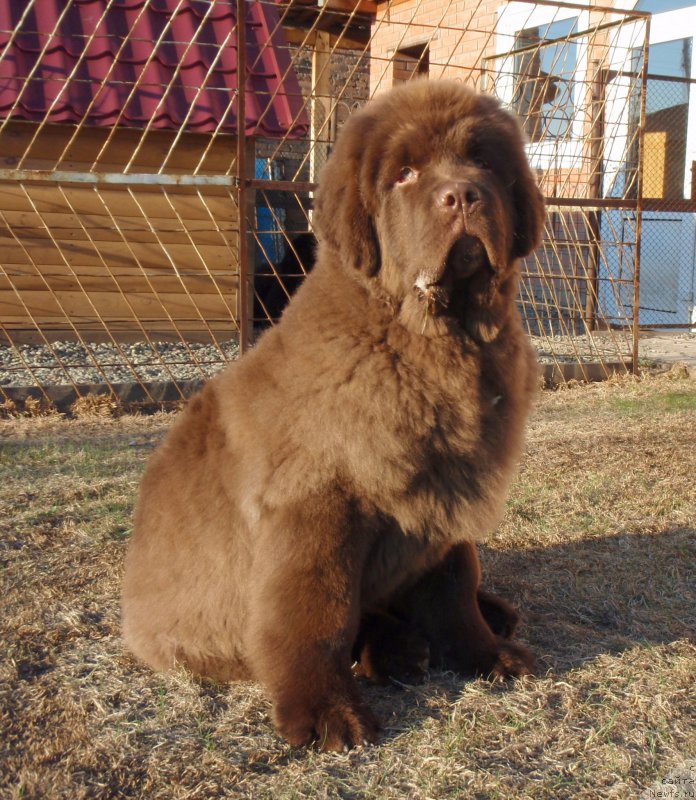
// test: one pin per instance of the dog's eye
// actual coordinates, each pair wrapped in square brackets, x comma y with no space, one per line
[406,175]
[480,162]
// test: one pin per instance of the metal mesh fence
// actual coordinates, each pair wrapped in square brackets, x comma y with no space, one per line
[667,276]
[158,171]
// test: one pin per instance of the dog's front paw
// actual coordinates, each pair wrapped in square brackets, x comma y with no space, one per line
[513,660]
[335,724]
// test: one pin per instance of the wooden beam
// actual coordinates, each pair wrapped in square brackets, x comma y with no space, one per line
[321,105]
[298,36]
[363,6]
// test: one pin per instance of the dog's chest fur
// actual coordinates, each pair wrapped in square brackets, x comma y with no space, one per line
[427,429]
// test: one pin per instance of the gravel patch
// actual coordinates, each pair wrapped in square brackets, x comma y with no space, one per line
[601,347]
[71,362]
[65,363]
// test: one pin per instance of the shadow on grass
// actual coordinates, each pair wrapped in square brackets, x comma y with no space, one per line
[599,595]
[579,601]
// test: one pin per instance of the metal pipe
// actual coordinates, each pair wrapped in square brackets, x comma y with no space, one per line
[121,178]
[595,186]
[281,186]
[243,250]
[584,7]
[639,198]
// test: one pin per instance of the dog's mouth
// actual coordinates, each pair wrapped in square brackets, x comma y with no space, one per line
[434,287]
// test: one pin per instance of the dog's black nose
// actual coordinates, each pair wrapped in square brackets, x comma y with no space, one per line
[458,196]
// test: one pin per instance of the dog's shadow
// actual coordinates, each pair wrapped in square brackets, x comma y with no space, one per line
[600,595]
[578,601]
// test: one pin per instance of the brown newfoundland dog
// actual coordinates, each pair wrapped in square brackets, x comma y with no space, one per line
[316,505]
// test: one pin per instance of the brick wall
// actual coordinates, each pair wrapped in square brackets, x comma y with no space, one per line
[457,38]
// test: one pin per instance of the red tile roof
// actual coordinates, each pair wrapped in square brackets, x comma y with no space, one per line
[75,59]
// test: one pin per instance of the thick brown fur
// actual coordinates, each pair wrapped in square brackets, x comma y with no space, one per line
[318,501]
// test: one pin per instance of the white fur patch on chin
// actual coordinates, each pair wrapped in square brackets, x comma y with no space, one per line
[424,281]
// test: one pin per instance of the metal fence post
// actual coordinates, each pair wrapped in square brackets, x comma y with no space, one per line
[243,320]
[595,191]
[639,200]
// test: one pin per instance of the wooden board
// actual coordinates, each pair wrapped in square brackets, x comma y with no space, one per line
[86,256]
[76,306]
[64,147]
[158,255]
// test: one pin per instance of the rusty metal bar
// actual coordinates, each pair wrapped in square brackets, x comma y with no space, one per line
[117,178]
[627,14]
[596,152]
[667,325]
[242,185]
[639,187]
[622,203]
[281,186]
[593,203]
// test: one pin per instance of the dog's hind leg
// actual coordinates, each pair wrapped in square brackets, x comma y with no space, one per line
[445,606]
[501,616]
[388,648]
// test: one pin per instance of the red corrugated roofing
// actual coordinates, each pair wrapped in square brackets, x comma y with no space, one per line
[172,62]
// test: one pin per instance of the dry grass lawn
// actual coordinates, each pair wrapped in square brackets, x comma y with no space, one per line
[598,548]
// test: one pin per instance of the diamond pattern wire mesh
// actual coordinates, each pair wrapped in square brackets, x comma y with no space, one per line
[147,235]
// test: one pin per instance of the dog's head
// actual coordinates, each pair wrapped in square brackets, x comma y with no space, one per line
[429,191]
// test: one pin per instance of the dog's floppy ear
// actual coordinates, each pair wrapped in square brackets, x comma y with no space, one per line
[531,213]
[341,215]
